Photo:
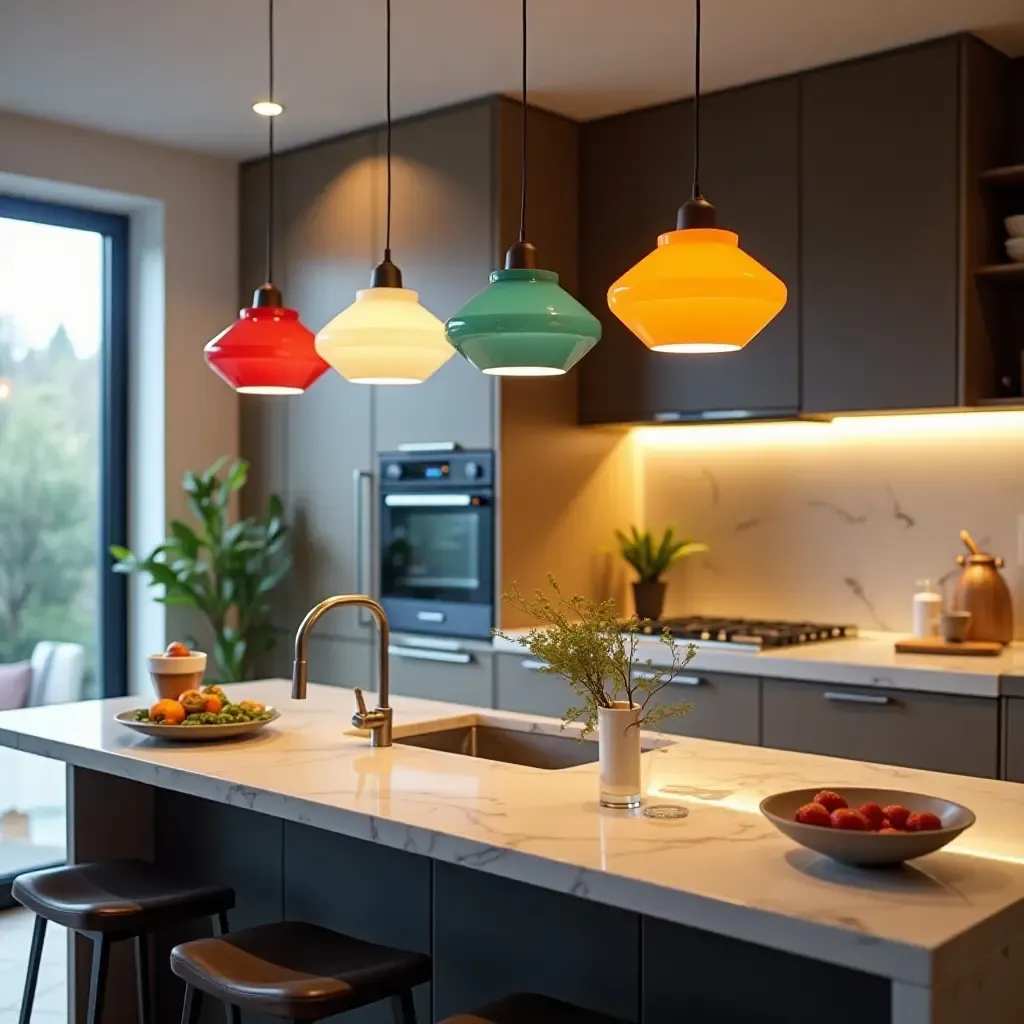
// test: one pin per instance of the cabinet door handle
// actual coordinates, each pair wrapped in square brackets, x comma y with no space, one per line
[680,680]
[858,698]
[429,654]
[534,666]
[360,478]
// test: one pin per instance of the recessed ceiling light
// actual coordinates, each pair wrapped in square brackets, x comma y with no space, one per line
[268,108]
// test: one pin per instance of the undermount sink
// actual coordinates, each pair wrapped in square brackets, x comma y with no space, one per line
[512,746]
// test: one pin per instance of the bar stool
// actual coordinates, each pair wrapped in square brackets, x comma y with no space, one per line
[297,971]
[108,902]
[528,1008]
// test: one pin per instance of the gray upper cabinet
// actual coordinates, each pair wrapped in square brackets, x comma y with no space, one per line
[635,174]
[441,236]
[879,221]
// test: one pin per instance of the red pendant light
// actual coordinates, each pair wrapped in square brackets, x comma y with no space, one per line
[267,351]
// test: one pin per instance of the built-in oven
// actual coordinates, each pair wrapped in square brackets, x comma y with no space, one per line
[436,556]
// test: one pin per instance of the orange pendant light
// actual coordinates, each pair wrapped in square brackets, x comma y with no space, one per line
[698,291]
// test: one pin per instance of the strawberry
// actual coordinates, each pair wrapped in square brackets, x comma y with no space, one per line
[887,831]
[874,816]
[897,815]
[852,821]
[813,814]
[830,801]
[923,821]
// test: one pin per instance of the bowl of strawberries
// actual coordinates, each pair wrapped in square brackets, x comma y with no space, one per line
[866,827]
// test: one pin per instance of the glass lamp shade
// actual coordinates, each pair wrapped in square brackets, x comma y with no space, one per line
[523,325]
[697,292]
[266,351]
[385,337]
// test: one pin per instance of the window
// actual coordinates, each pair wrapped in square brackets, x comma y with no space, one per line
[63,456]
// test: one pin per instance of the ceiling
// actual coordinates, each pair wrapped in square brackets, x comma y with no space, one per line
[185,72]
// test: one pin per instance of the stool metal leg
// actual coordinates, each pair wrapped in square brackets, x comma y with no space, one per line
[98,982]
[403,1008]
[191,1007]
[146,1015]
[220,923]
[32,975]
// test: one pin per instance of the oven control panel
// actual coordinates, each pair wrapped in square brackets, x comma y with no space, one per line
[450,469]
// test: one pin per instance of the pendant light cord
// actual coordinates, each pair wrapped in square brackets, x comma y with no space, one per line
[696,107]
[270,141]
[522,142]
[387,65]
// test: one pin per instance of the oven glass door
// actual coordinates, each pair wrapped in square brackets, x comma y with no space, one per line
[438,547]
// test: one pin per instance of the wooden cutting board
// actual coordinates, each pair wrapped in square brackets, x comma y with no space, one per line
[936,645]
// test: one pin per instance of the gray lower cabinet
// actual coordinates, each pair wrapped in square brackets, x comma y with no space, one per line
[1015,739]
[520,685]
[459,676]
[920,730]
[725,707]
[341,662]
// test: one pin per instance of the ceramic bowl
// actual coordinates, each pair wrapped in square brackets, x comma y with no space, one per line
[867,849]
[1015,249]
[173,676]
[1015,225]
[195,733]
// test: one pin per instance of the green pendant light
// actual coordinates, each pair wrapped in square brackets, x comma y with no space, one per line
[523,324]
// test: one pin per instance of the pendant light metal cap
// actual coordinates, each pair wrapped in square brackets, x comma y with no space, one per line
[697,292]
[267,351]
[523,325]
[385,337]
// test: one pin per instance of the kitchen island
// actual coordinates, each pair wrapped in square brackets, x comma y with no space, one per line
[513,877]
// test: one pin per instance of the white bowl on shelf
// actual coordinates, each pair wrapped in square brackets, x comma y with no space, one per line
[1015,249]
[1015,225]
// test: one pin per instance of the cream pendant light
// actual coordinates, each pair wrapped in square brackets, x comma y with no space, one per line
[698,291]
[385,336]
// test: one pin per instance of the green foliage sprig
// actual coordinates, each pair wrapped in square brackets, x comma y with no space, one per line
[595,651]
[652,559]
[225,570]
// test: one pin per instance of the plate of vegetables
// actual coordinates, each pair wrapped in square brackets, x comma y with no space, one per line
[199,715]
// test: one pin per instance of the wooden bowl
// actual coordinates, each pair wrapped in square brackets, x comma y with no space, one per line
[867,849]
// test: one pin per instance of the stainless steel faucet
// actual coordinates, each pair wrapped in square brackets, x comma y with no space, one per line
[377,721]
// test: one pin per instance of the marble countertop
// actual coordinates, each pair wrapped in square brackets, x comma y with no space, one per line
[723,868]
[867,660]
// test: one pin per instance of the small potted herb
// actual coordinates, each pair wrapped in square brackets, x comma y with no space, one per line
[651,559]
[587,644]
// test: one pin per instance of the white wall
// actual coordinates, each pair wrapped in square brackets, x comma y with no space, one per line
[184,289]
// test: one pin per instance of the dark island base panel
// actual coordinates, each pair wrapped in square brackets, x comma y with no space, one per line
[487,935]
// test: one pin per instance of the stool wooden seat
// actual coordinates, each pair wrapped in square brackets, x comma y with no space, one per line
[297,971]
[108,902]
[527,1008]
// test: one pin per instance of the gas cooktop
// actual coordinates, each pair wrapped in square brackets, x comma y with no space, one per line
[750,634]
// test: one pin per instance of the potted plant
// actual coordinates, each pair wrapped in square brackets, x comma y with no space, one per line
[651,559]
[225,570]
[587,644]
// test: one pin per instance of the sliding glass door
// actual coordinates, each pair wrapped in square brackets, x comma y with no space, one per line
[63,350]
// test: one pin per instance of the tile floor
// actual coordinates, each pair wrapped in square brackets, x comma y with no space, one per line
[51,996]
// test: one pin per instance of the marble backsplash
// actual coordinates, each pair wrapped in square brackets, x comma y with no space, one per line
[834,522]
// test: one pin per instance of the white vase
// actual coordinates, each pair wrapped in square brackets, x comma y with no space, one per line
[618,736]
